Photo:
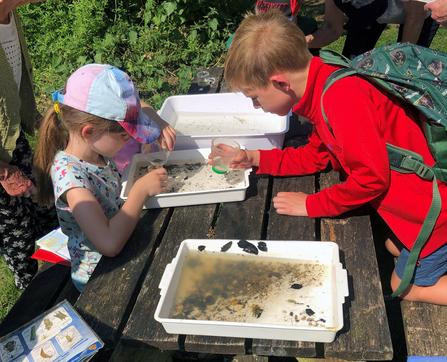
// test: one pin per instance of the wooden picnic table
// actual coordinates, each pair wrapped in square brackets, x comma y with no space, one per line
[120,299]
[365,336]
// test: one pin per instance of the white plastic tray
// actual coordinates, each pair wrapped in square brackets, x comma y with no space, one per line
[329,303]
[200,118]
[182,198]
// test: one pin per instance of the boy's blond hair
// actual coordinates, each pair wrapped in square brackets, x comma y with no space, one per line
[263,45]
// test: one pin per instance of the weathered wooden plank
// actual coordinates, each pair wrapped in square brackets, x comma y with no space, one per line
[215,73]
[108,297]
[249,358]
[298,133]
[324,360]
[224,87]
[365,335]
[132,354]
[215,345]
[244,220]
[237,220]
[282,227]
[69,293]
[38,297]
[279,348]
[425,328]
[142,330]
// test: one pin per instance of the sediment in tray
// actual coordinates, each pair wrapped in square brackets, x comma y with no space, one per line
[196,175]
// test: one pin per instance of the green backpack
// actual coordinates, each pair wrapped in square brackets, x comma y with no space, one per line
[416,75]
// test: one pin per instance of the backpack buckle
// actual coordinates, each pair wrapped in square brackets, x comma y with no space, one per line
[417,167]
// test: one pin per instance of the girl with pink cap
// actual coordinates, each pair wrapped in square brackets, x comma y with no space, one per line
[96,113]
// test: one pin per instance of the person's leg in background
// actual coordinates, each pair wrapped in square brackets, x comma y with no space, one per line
[22,222]
[428,32]
[374,35]
[360,41]
[308,26]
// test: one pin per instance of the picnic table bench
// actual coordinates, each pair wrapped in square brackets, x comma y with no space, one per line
[120,299]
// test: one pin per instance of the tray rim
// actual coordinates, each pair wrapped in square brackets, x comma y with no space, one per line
[171,323]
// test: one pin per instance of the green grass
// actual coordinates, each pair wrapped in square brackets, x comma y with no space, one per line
[8,291]
[390,35]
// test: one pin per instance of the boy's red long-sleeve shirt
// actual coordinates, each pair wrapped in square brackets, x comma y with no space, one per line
[363,118]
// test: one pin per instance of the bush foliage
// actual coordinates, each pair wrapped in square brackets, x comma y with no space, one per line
[160,44]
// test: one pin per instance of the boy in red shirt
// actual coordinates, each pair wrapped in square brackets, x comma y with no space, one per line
[270,63]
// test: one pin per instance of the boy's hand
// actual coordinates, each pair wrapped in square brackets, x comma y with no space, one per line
[15,182]
[244,159]
[154,182]
[290,203]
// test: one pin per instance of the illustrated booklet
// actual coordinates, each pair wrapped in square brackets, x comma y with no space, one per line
[53,248]
[59,334]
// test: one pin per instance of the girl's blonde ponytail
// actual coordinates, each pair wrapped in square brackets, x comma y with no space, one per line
[52,138]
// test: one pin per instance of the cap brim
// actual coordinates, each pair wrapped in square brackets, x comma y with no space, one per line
[144,130]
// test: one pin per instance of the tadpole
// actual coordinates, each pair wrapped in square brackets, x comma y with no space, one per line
[262,246]
[247,247]
[226,247]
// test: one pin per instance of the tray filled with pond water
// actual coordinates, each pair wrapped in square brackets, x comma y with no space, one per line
[292,290]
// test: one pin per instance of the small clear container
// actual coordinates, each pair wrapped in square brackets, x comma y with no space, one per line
[155,153]
[203,79]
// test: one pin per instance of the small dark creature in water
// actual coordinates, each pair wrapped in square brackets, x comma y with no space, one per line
[226,247]
[247,247]
[296,286]
[256,310]
[309,311]
[262,246]
[201,247]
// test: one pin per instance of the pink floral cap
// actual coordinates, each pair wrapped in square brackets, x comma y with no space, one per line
[107,92]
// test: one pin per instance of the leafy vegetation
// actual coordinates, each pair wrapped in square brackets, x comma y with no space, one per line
[160,44]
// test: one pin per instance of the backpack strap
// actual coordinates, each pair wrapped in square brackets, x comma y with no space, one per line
[406,161]
[332,57]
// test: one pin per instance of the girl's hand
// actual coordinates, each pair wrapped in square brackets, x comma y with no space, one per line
[153,183]
[169,136]
[167,132]
[290,203]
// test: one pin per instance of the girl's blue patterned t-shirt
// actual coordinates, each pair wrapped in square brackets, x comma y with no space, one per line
[69,172]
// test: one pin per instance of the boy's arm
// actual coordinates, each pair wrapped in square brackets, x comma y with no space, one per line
[306,160]
[331,29]
[167,131]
